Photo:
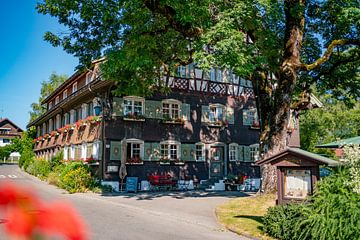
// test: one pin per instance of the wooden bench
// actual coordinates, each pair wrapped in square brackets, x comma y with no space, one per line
[162,182]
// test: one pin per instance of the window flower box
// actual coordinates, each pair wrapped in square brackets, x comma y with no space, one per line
[134,161]
[179,121]
[255,125]
[165,161]
[93,120]
[134,117]
[218,123]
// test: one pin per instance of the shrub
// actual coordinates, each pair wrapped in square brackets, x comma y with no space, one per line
[54,175]
[57,160]
[280,220]
[333,213]
[40,168]
[76,177]
[335,210]
[26,158]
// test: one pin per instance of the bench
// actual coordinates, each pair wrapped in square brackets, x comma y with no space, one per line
[162,182]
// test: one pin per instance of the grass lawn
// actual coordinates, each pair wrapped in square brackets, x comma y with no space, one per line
[244,215]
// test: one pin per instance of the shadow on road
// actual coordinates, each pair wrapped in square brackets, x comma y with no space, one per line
[176,194]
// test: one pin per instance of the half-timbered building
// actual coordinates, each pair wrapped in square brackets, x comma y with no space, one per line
[206,127]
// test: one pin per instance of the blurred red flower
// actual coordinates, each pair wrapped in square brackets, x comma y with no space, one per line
[26,215]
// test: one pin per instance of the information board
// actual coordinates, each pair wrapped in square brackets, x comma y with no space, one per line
[131,184]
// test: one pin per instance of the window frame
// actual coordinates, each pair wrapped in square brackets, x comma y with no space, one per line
[133,141]
[88,78]
[57,100]
[65,94]
[74,87]
[132,100]
[203,151]
[217,106]
[169,150]
[171,108]
[254,151]
[235,151]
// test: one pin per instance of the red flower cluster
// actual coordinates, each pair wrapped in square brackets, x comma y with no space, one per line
[26,216]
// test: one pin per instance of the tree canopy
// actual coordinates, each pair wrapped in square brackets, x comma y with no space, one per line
[333,122]
[47,87]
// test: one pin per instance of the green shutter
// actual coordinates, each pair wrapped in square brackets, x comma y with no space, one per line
[185,111]
[188,152]
[247,119]
[115,150]
[118,106]
[241,153]
[230,115]
[147,151]
[247,157]
[155,153]
[153,109]
[205,112]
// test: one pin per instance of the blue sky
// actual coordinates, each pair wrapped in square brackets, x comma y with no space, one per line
[26,59]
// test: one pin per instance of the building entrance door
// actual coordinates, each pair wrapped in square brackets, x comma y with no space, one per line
[216,162]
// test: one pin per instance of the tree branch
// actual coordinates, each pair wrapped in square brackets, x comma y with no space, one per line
[328,52]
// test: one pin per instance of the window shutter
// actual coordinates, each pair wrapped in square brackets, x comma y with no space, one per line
[230,115]
[115,150]
[188,152]
[153,109]
[118,107]
[247,154]
[185,111]
[205,112]
[147,151]
[155,153]
[241,153]
[247,119]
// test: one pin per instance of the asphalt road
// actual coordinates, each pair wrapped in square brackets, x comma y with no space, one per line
[158,216]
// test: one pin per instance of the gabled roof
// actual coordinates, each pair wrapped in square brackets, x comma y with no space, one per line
[340,143]
[300,153]
[6,120]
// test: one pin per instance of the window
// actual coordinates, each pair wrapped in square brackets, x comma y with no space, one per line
[89,151]
[134,149]
[65,94]
[77,152]
[250,117]
[133,106]
[5,140]
[216,113]
[88,77]
[233,152]
[181,72]
[74,87]
[170,150]
[90,109]
[50,105]
[254,152]
[5,130]
[171,109]
[57,99]
[200,152]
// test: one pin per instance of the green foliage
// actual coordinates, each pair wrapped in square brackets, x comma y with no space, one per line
[76,177]
[39,168]
[47,87]
[57,160]
[333,213]
[27,157]
[352,161]
[280,220]
[332,122]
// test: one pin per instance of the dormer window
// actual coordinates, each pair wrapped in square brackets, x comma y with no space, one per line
[88,77]
[74,87]
[65,94]
[57,99]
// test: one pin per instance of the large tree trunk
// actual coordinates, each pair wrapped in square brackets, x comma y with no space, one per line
[274,115]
